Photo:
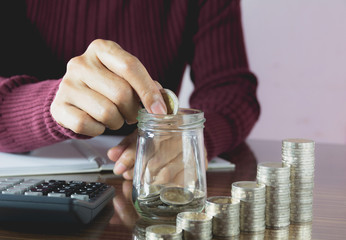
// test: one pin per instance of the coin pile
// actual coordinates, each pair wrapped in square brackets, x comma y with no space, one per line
[299,154]
[163,232]
[301,231]
[225,213]
[251,236]
[277,234]
[252,205]
[195,225]
[276,177]
[164,201]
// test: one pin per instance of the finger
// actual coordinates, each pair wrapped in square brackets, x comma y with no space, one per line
[165,151]
[170,171]
[127,190]
[100,79]
[128,175]
[76,120]
[115,152]
[132,70]
[127,159]
[96,105]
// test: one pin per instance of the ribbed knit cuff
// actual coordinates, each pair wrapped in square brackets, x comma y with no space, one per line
[26,122]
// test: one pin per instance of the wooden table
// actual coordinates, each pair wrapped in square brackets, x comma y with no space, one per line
[119,219]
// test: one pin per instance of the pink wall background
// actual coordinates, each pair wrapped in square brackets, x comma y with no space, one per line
[297,49]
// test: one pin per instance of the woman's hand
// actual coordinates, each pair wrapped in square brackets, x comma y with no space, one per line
[103,88]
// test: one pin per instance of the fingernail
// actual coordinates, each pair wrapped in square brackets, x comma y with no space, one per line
[158,107]
[119,168]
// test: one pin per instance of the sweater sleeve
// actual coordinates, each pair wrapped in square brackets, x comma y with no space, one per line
[225,89]
[25,119]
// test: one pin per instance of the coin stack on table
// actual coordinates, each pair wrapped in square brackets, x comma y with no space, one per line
[277,234]
[225,213]
[276,177]
[163,232]
[301,231]
[250,236]
[299,154]
[252,205]
[195,225]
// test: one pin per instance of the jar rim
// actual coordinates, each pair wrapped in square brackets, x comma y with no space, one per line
[186,118]
[181,111]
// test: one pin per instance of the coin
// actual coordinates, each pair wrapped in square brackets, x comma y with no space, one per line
[176,196]
[171,100]
[150,192]
[163,231]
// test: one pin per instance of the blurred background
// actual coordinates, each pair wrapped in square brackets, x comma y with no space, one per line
[297,49]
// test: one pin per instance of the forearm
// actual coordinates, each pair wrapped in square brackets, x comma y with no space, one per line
[25,119]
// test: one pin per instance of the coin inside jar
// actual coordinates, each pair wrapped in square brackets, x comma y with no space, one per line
[176,196]
[171,100]
[150,192]
[161,229]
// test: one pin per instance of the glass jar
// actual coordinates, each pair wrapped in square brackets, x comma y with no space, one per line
[169,174]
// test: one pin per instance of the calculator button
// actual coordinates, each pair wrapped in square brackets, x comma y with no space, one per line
[33,182]
[33,194]
[5,186]
[13,191]
[56,195]
[80,197]
[15,180]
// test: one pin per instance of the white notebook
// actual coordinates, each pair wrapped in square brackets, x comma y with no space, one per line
[72,156]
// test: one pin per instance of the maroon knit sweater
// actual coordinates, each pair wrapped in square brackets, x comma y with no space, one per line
[39,37]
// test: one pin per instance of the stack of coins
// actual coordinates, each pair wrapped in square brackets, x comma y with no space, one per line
[277,234]
[301,231]
[276,177]
[299,154]
[225,213]
[140,228]
[195,225]
[251,236]
[163,232]
[252,205]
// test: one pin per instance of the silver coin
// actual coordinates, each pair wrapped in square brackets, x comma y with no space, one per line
[176,196]
[171,100]
[163,231]
[150,192]
[298,143]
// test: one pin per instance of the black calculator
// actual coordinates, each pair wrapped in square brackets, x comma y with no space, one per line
[52,201]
